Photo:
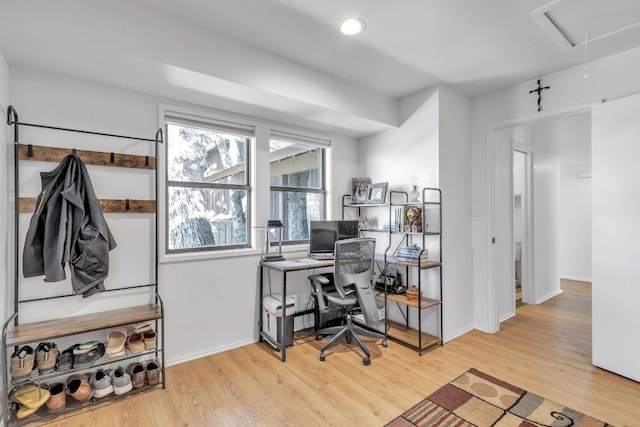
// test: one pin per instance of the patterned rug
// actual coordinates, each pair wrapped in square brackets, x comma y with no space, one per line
[477,399]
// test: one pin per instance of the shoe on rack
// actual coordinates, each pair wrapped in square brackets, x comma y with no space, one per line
[134,343]
[149,339]
[22,362]
[58,399]
[138,375]
[115,342]
[87,359]
[148,334]
[121,381]
[85,347]
[101,383]
[152,372]
[30,397]
[79,388]
[46,357]
[65,360]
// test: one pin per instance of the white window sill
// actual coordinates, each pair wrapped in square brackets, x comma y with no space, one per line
[228,253]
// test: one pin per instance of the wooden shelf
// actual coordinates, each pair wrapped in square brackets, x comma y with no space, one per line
[46,330]
[409,336]
[402,299]
[56,154]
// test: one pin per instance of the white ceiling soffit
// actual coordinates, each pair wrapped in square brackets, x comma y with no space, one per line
[571,22]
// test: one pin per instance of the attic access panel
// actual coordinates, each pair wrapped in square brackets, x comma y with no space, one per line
[565,20]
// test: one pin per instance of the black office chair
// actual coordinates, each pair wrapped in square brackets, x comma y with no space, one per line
[354,296]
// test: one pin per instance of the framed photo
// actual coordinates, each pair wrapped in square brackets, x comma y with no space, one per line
[359,190]
[377,193]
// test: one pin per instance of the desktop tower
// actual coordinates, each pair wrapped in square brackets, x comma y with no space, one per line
[272,320]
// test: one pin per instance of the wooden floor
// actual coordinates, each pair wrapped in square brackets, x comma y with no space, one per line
[545,349]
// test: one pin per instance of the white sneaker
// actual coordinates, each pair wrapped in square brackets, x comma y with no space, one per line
[121,381]
[101,384]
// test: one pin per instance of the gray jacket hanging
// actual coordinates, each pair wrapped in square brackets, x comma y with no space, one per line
[68,226]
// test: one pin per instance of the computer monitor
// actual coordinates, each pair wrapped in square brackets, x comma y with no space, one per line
[324,234]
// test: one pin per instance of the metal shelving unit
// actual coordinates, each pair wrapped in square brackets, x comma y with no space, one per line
[431,205]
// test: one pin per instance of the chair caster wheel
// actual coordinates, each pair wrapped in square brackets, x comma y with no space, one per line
[385,343]
[366,361]
[322,357]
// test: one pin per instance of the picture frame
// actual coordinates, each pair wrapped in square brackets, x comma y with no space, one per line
[377,193]
[359,190]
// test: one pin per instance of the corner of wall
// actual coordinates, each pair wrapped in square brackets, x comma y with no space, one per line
[5,264]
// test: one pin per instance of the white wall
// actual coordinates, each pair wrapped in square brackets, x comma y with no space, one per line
[455,182]
[545,226]
[6,261]
[611,77]
[575,222]
[569,140]
[432,142]
[210,305]
[616,227]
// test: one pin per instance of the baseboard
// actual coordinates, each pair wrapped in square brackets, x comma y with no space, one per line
[549,296]
[459,333]
[506,317]
[208,352]
[576,279]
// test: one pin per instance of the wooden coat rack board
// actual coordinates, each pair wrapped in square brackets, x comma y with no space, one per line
[55,154]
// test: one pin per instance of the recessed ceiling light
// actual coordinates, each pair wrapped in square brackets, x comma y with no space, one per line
[352,26]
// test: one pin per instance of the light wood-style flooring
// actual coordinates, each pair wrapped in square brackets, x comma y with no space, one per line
[545,349]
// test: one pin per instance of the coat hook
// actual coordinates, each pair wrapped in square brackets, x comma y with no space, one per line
[126,205]
[29,150]
[113,158]
[74,152]
[159,137]
[146,160]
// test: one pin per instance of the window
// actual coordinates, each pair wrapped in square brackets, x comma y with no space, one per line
[208,191]
[297,184]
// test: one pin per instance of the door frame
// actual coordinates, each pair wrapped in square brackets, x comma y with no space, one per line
[493,324]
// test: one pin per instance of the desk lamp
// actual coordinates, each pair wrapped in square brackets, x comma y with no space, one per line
[274,228]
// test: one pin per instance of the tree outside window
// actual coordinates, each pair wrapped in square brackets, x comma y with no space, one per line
[297,186]
[207,188]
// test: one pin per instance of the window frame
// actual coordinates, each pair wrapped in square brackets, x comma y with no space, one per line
[317,143]
[214,124]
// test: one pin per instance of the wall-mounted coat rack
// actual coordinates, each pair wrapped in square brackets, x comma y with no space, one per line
[56,154]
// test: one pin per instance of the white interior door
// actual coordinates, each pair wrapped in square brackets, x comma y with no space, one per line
[615,231]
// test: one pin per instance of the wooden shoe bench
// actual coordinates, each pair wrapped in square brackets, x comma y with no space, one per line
[97,322]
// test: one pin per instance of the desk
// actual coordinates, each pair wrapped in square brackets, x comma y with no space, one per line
[286,266]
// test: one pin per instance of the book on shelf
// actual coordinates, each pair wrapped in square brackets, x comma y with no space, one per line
[412,254]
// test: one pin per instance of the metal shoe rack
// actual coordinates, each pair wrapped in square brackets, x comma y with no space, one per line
[16,333]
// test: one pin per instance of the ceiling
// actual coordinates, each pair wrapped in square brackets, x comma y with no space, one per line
[472,46]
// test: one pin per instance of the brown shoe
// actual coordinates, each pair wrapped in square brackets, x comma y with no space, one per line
[135,343]
[58,398]
[149,338]
[138,375]
[79,387]
[152,372]
[46,357]
[22,362]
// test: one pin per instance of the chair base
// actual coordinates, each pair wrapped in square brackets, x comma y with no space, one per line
[351,332]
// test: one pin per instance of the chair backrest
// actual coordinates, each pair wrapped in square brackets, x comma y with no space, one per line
[354,266]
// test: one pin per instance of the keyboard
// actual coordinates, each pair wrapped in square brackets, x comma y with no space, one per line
[321,257]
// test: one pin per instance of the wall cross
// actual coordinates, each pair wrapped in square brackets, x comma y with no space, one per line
[539,90]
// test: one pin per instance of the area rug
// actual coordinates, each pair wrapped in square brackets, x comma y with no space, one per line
[478,399]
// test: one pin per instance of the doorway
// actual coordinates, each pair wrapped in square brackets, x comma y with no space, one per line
[520,224]
[543,250]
